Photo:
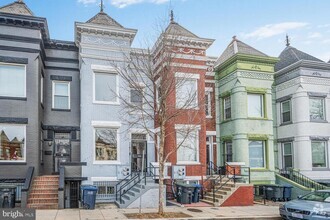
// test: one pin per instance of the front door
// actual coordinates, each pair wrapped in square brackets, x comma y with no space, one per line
[138,148]
[62,149]
[209,154]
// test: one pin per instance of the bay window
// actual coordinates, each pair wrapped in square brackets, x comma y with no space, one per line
[208,106]
[316,108]
[286,111]
[187,143]
[12,80]
[106,88]
[287,155]
[257,154]
[255,105]
[186,93]
[227,107]
[319,152]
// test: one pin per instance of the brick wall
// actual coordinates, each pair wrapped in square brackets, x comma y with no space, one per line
[243,196]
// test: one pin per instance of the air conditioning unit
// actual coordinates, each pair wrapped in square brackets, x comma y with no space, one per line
[123,172]
[178,172]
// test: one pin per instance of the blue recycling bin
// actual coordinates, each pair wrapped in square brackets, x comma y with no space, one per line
[287,193]
[196,193]
[88,196]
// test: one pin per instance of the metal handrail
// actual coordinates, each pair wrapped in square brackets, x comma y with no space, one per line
[233,177]
[121,181]
[301,179]
[213,167]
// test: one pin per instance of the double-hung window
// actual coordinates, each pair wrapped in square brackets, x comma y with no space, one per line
[316,108]
[319,154]
[286,111]
[257,154]
[227,108]
[187,143]
[61,95]
[12,81]
[255,105]
[186,91]
[208,104]
[106,88]
[136,97]
[287,155]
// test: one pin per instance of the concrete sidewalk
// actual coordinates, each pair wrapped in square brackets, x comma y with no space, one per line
[111,212]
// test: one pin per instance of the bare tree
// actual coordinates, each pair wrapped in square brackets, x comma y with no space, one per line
[155,94]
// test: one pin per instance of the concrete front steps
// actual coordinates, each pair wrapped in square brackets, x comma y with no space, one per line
[44,193]
[147,192]
[222,194]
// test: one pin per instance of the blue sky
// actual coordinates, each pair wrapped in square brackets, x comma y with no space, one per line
[262,24]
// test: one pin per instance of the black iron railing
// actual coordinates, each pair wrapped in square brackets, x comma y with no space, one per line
[301,179]
[212,168]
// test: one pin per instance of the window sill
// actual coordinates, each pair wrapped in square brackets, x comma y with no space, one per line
[13,163]
[256,118]
[105,103]
[107,162]
[318,121]
[187,163]
[286,123]
[14,98]
[209,116]
[61,110]
[320,169]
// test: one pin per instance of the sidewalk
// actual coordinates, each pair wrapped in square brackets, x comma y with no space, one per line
[111,212]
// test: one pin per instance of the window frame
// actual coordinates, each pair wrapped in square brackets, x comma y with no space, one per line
[208,96]
[53,94]
[326,154]
[116,102]
[323,106]
[196,134]
[282,112]
[225,153]
[263,113]
[264,145]
[283,154]
[225,107]
[187,77]
[25,145]
[142,87]
[25,79]
[106,125]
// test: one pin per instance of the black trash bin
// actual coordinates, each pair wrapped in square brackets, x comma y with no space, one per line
[184,193]
[7,196]
[278,193]
[287,193]
[196,193]
[269,193]
[88,196]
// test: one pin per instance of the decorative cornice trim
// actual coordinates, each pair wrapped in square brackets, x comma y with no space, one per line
[6,59]
[11,120]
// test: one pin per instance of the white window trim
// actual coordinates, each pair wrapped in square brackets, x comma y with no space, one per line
[111,125]
[25,83]
[143,86]
[187,75]
[224,108]
[323,105]
[208,91]
[283,153]
[53,94]
[264,154]
[281,106]
[25,144]
[326,155]
[42,78]
[262,105]
[184,127]
[106,70]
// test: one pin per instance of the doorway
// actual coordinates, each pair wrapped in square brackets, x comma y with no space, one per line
[138,149]
[209,152]
[62,149]
[228,152]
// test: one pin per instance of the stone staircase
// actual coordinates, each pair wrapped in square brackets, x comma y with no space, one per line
[222,194]
[136,192]
[44,193]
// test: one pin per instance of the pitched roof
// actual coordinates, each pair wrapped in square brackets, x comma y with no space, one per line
[291,55]
[102,18]
[237,46]
[18,7]
[175,29]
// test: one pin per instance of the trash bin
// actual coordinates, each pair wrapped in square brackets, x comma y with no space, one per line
[269,193]
[184,193]
[278,193]
[196,193]
[287,193]
[88,196]
[7,196]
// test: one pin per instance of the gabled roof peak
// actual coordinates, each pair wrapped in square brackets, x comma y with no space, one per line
[103,18]
[18,7]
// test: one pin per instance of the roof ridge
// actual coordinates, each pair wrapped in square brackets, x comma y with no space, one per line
[17,7]
[103,18]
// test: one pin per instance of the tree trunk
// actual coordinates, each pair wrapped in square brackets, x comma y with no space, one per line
[161,171]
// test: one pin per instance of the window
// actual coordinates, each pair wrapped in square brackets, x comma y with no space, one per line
[106,144]
[319,154]
[105,190]
[208,104]
[316,109]
[12,142]
[61,95]
[42,89]
[186,93]
[255,105]
[286,111]
[188,146]
[228,151]
[12,80]
[136,97]
[106,88]
[227,107]
[287,155]
[257,154]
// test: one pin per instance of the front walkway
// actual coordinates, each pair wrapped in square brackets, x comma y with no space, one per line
[111,212]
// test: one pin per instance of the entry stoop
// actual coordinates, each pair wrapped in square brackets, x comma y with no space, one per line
[44,192]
